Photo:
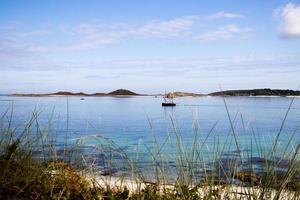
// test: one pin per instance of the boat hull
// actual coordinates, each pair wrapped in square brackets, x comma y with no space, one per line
[168,104]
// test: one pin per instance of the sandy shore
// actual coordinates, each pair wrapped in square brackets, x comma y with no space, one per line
[223,191]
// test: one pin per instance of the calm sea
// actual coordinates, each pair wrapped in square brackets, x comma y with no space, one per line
[140,124]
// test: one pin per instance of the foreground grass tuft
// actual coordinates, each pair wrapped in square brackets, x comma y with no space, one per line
[24,178]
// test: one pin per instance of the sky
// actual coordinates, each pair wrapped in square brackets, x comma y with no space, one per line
[148,46]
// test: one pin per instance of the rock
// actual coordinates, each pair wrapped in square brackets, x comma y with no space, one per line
[248,177]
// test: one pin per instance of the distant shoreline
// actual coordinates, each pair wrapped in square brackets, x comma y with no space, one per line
[266,92]
[119,92]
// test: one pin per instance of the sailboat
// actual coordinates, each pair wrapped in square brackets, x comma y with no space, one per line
[169,100]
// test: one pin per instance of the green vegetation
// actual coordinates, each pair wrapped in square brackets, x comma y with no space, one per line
[33,167]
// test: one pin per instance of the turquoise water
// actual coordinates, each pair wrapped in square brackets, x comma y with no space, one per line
[133,123]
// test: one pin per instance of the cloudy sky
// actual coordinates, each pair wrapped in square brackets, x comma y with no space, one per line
[148,46]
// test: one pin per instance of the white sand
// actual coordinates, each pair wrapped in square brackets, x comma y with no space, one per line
[223,191]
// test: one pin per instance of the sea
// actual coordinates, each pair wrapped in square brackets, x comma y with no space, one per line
[137,129]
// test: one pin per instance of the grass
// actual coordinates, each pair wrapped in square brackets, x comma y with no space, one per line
[34,167]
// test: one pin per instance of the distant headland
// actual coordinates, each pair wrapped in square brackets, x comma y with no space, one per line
[125,92]
[119,92]
[257,92]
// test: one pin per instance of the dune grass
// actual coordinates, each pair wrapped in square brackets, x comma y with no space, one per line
[34,167]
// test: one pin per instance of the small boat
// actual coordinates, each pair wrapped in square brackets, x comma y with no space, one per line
[169,100]
[81,98]
[168,104]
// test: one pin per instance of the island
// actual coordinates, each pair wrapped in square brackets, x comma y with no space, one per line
[119,92]
[183,94]
[125,92]
[257,92]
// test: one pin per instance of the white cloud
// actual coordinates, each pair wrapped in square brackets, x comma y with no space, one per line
[19,44]
[161,29]
[225,33]
[195,67]
[221,15]
[16,49]
[94,36]
[289,19]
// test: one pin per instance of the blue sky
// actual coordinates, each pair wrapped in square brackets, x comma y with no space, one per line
[148,46]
